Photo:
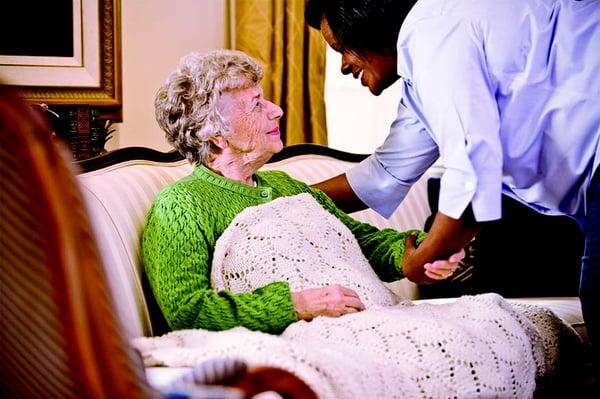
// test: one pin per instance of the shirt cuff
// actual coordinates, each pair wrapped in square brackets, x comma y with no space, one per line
[458,189]
[376,187]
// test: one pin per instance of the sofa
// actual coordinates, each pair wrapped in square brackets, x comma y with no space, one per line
[118,189]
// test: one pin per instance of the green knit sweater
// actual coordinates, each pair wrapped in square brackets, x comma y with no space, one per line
[181,232]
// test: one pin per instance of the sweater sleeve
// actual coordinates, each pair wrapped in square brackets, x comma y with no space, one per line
[177,247]
[382,248]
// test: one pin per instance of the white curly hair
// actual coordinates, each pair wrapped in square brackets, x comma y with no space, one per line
[186,105]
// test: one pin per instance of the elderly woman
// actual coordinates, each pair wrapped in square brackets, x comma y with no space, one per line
[213,111]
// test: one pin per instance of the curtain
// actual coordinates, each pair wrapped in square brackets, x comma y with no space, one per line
[293,55]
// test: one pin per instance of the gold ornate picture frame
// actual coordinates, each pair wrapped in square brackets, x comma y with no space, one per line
[92,76]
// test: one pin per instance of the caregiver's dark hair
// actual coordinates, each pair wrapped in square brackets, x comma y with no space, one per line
[361,26]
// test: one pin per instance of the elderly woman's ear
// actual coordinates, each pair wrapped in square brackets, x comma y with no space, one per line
[218,141]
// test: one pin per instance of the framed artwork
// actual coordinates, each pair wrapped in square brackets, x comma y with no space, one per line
[65,52]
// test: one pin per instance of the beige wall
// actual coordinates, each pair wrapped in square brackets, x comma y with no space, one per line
[155,34]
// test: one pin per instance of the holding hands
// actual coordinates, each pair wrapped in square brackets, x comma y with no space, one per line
[420,272]
[336,300]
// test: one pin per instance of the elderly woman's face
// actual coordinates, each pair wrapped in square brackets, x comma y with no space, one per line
[254,120]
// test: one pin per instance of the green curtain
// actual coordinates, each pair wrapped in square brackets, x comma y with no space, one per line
[293,55]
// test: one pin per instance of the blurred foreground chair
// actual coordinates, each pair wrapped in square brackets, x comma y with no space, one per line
[59,336]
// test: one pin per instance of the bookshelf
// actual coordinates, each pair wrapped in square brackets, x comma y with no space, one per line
[84,128]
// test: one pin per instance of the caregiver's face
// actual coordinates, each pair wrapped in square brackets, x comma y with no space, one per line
[376,71]
[254,121]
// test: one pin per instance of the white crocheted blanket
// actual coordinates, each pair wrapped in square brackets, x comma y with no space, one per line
[293,239]
[478,346]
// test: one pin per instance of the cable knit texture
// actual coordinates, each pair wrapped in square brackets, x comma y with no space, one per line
[181,232]
[478,346]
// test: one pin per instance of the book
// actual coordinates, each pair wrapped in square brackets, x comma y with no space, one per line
[70,132]
[96,137]
[82,136]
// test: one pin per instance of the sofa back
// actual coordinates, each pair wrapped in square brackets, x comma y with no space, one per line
[118,197]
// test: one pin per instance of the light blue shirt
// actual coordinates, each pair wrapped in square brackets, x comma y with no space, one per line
[506,93]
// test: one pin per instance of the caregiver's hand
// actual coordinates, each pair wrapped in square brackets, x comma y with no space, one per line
[332,300]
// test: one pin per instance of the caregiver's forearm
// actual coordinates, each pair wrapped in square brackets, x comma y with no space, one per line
[339,190]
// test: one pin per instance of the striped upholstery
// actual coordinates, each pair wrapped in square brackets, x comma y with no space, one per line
[26,289]
[59,336]
[118,198]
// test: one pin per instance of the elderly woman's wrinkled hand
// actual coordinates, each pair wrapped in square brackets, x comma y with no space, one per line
[442,269]
[332,300]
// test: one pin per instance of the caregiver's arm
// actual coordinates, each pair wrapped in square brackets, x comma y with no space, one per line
[382,180]
[455,96]
[384,249]
[339,190]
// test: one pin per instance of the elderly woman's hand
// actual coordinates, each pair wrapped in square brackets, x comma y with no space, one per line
[442,269]
[332,300]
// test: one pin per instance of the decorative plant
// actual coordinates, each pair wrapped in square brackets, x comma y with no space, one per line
[49,114]
[106,133]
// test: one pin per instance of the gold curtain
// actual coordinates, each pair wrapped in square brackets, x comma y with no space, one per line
[274,33]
